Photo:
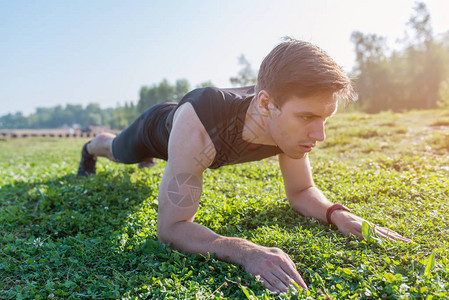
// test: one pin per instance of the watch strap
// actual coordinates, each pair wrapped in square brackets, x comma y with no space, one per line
[333,208]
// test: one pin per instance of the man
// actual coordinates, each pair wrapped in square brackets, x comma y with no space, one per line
[297,90]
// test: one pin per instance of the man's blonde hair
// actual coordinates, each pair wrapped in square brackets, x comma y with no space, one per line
[302,69]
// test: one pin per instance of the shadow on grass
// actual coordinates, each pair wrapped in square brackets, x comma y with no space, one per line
[70,205]
[96,237]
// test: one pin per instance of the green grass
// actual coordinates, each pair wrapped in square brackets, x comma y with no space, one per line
[67,237]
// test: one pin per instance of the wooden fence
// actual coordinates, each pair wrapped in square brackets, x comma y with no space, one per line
[55,133]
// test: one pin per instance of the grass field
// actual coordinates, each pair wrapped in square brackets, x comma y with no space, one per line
[80,238]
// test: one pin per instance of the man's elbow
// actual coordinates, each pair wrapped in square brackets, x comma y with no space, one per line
[163,234]
[298,195]
[162,239]
[166,232]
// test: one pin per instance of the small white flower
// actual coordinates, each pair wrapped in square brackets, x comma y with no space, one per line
[38,243]
[404,287]
[106,208]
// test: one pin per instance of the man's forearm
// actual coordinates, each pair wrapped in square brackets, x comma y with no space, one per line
[194,238]
[310,203]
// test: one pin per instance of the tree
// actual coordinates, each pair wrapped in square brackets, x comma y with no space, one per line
[369,48]
[76,113]
[405,79]
[420,26]
[162,92]
[13,121]
[246,75]
[372,70]
[182,87]
[427,59]
[205,84]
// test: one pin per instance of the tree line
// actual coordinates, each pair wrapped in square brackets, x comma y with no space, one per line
[414,76]
[70,115]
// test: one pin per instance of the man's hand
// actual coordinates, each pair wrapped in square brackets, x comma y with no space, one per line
[275,268]
[349,223]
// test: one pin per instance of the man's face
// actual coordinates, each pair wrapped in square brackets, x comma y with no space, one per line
[298,125]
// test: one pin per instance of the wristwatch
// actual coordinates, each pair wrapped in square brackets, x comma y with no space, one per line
[333,208]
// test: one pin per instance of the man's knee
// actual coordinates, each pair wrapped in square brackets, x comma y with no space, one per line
[102,145]
[105,137]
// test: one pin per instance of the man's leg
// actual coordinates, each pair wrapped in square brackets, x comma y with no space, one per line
[101,145]
[131,146]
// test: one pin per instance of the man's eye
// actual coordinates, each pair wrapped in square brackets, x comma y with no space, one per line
[305,118]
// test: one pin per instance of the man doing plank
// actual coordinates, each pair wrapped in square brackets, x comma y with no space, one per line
[298,89]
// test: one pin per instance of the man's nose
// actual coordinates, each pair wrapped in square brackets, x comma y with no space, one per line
[317,132]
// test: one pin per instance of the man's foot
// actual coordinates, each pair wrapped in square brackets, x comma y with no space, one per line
[87,163]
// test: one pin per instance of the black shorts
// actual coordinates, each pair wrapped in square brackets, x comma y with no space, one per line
[146,137]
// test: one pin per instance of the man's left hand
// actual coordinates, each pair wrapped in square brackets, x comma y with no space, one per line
[348,223]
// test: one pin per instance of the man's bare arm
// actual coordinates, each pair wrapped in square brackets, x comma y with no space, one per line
[309,201]
[178,205]
[302,194]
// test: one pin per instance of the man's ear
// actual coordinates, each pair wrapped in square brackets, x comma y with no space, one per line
[263,102]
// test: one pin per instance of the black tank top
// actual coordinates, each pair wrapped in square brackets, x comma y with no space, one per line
[222,113]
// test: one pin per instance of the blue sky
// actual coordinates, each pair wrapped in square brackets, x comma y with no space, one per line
[79,52]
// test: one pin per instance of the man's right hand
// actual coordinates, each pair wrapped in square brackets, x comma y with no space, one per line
[275,268]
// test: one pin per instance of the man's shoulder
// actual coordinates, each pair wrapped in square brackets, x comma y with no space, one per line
[241,91]
[189,135]
[222,93]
